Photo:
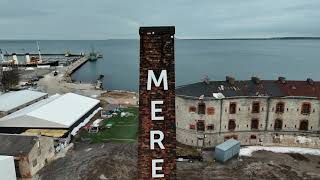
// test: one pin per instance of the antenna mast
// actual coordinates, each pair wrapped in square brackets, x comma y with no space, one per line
[40,58]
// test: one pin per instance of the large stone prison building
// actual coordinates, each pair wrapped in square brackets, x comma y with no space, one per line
[256,112]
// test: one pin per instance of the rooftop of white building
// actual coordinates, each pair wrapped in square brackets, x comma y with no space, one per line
[14,99]
[58,111]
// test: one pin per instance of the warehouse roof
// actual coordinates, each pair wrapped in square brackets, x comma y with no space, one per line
[16,145]
[272,88]
[12,100]
[56,112]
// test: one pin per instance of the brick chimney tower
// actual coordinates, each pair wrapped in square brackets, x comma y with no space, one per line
[157,55]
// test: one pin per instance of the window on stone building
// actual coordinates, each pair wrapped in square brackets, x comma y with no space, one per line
[201,108]
[255,107]
[253,136]
[200,125]
[192,109]
[231,125]
[192,126]
[232,108]
[306,108]
[304,125]
[254,124]
[34,162]
[280,107]
[231,137]
[278,124]
[210,110]
[210,127]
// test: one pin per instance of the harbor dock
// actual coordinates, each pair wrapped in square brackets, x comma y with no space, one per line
[46,54]
[73,67]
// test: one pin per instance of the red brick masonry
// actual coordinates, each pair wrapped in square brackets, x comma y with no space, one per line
[157,54]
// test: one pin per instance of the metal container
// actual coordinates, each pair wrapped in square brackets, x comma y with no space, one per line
[227,150]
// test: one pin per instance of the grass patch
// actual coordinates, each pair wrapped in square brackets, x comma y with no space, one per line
[124,129]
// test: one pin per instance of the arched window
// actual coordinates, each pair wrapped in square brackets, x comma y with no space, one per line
[253,136]
[304,125]
[232,108]
[200,125]
[232,125]
[210,127]
[201,108]
[255,107]
[254,124]
[306,108]
[278,124]
[280,107]
[192,109]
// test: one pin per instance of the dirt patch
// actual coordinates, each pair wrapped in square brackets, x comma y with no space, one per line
[120,98]
[298,157]
[119,161]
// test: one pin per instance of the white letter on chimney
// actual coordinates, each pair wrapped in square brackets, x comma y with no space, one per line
[154,111]
[158,141]
[163,77]
[155,168]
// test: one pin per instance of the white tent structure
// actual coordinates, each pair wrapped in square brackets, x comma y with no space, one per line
[7,168]
[57,112]
[15,100]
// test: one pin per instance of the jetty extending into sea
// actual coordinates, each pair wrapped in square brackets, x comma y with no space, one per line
[73,67]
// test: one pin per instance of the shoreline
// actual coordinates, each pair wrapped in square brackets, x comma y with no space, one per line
[58,85]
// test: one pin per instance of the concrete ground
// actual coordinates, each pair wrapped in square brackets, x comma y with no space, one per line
[56,84]
[119,161]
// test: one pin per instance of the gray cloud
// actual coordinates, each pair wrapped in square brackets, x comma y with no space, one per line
[103,19]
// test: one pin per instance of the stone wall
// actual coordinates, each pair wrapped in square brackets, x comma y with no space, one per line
[38,157]
[265,134]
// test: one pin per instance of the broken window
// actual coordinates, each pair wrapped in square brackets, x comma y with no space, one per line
[280,107]
[230,137]
[232,125]
[255,107]
[232,108]
[304,125]
[192,109]
[201,108]
[254,124]
[253,137]
[210,127]
[210,110]
[306,108]
[278,124]
[200,125]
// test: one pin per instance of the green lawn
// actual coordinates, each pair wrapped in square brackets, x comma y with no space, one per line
[124,129]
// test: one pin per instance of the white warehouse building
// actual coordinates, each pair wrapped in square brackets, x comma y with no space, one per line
[13,101]
[59,112]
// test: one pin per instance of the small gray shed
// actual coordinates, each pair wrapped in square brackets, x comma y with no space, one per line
[227,150]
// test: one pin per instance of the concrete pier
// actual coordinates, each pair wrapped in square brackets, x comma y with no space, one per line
[45,54]
[73,67]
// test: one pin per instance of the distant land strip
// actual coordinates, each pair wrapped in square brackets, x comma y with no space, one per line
[272,38]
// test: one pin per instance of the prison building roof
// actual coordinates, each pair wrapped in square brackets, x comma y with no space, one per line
[268,88]
[16,145]
[15,99]
[60,111]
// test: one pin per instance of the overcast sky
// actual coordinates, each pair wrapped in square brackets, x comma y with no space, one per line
[105,19]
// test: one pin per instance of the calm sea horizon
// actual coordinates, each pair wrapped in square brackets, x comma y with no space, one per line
[195,59]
